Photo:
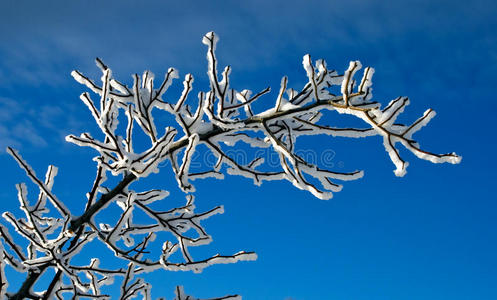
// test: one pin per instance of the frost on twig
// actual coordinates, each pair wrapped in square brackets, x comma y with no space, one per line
[214,119]
[180,295]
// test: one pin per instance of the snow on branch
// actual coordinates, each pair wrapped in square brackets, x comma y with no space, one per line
[180,295]
[215,119]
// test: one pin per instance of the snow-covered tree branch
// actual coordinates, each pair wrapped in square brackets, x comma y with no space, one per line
[214,119]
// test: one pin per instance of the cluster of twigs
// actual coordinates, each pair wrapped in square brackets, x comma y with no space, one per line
[221,117]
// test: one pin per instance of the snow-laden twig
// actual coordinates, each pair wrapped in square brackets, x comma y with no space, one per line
[217,118]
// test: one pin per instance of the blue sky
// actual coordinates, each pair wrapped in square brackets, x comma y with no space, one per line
[429,235]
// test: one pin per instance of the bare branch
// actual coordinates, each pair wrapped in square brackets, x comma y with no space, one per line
[219,118]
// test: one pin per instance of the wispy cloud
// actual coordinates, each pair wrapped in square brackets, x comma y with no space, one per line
[27,126]
[43,48]
[257,37]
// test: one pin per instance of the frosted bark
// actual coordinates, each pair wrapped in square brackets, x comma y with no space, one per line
[217,118]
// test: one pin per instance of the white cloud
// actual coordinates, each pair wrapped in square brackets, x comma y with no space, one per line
[26,132]
[22,124]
